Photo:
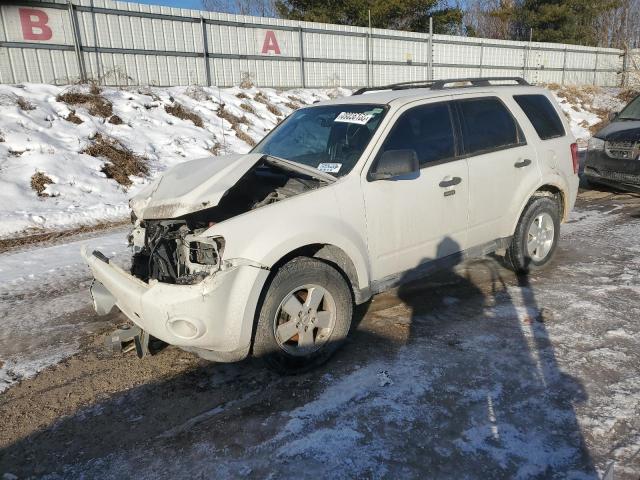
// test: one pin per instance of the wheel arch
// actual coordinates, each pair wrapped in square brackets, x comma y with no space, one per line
[551,190]
[334,256]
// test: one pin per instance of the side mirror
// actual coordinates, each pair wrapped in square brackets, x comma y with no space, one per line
[395,163]
[612,116]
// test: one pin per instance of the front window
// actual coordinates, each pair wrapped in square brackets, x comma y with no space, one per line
[330,138]
[631,111]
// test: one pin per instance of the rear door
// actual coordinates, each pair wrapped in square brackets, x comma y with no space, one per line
[502,166]
[411,221]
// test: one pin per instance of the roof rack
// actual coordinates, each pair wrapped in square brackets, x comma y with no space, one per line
[440,84]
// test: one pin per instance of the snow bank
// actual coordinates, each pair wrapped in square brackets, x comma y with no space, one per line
[586,108]
[35,136]
[38,134]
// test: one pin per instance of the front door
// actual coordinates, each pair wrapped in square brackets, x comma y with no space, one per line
[414,220]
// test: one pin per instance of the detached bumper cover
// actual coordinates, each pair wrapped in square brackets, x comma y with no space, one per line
[216,314]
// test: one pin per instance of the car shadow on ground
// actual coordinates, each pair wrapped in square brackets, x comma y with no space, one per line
[457,378]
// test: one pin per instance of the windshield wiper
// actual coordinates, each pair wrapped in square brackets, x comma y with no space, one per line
[300,168]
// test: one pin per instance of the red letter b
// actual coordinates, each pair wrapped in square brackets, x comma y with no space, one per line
[34,24]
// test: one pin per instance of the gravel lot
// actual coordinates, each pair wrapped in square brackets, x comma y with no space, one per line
[473,373]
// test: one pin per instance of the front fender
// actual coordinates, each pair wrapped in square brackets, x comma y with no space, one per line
[269,233]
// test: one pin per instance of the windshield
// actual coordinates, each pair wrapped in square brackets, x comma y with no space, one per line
[330,138]
[631,111]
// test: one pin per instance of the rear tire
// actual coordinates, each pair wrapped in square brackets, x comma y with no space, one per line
[305,316]
[536,237]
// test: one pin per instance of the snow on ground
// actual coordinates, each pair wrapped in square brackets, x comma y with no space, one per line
[36,137]
[528,381]
[44,302]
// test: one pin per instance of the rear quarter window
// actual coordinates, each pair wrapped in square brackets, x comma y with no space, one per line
[542,115]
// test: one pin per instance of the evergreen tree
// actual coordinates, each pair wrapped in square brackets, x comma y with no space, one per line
[563,21]
[410,15]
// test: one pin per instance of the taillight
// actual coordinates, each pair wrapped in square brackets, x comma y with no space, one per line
[574,158]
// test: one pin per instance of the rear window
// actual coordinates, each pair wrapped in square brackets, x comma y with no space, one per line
[488,125]
[542,115]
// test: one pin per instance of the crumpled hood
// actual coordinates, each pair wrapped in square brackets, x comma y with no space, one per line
[621,131]
[191,186]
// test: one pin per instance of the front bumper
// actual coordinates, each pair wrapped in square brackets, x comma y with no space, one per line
[215,315]
[600,168]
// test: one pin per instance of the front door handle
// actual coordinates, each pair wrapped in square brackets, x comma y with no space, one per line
[450,182]
[522,163]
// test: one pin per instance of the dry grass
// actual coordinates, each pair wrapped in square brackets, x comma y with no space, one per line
[246,80]
[179,111]
[95,104]
[7,244]
[25,104]
[230,117]
[261,98]
[244,136]
[197,93]
[73,118]
[215,149]
[115,120]
[242,95]
[628,94]
[235,124]
[292,106]
[121,162]
[39,182]
[247,108]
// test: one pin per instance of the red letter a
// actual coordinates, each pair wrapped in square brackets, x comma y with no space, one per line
[270,43]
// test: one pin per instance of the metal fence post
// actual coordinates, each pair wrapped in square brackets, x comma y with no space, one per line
[625,63]
[481,56]
[430,48]
[205,51]
[595,68]
[301,47]
[366,60]
[76,41]
[564,65]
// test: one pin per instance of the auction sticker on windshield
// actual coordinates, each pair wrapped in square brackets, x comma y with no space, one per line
[353,117]
[330,167]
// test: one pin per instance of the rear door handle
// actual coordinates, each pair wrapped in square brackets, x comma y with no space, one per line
[450,182]
[522,163]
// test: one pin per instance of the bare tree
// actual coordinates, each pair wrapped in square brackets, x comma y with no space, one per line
[259,8]
[490,18]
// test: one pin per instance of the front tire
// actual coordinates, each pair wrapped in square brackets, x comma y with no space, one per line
[536,237]
[305,316]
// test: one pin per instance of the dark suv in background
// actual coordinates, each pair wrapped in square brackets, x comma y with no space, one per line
[613,156]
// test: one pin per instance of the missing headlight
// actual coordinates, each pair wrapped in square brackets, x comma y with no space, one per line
[203,253]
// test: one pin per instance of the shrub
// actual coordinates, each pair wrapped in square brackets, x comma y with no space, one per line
[39,182]
[121,162]
[179,111]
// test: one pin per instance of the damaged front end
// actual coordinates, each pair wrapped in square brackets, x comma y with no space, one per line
[180,250]
[170,251]
[180,288]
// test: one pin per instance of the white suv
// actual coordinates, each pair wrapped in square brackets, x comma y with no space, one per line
[268,252]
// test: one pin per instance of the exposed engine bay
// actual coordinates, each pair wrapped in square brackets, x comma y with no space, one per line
[172,250]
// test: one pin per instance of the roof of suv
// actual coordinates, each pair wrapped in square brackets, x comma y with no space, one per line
[407,92]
